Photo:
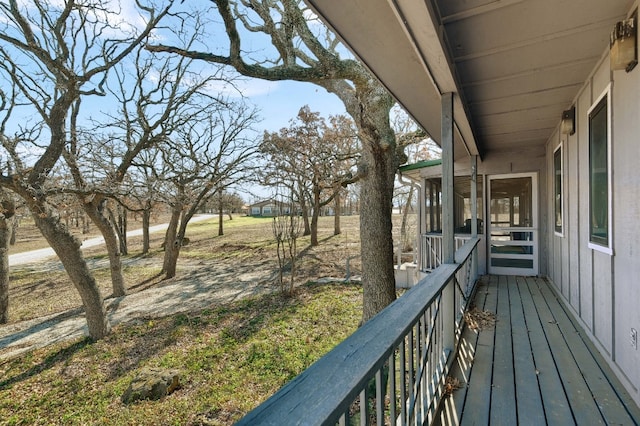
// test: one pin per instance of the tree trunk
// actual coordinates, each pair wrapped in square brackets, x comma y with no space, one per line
[220,216]
[337,213]
[122,230]
[314,218]
[172,243]
[376,237]
[146,218]
[5,237]
[15,223]
[113,247]
[403,226]
[86,226]
[378,166]
[304,209]
[67,247]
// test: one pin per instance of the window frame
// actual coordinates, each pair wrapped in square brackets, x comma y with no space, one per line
[607,248]
[558,150]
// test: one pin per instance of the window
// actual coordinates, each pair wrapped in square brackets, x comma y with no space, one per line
[599,179]
[558,198]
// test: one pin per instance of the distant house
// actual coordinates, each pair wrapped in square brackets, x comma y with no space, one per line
[269,208]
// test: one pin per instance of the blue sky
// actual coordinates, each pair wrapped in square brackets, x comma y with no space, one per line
[280,101]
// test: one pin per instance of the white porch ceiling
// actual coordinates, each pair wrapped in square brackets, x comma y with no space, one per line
[514,64]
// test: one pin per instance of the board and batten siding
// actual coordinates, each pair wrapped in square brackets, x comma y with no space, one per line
[625,94]
[601,289]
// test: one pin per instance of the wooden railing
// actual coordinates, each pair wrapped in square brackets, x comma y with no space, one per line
[432,249]
[392,370]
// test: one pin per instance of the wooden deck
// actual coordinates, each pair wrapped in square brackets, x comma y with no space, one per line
[534,367]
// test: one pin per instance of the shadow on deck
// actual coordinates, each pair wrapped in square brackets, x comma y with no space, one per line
[534,367]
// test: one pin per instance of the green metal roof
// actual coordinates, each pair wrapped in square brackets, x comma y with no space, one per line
[420,165]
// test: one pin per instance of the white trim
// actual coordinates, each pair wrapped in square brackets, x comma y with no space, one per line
[608,249]
[562,187]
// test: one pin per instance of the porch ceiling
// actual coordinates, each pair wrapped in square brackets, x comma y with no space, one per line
[515,64]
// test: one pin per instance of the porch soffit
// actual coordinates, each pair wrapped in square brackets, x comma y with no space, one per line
[515,64]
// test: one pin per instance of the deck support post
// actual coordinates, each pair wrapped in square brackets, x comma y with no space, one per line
[448,238]
[474,214]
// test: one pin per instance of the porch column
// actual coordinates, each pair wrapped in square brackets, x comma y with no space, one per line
[448,242]
[448,238]
[474,212]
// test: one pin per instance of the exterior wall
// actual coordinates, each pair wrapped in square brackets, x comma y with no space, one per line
[525,160]
[268,209]
[601,289]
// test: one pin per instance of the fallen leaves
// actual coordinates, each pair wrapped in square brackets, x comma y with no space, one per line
[451,385]
[477,319]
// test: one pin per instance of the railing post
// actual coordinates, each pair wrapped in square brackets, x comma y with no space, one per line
[448,238]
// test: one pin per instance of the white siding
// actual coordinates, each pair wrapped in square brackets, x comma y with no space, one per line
[603,290]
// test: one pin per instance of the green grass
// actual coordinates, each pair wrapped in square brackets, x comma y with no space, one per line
[230,359]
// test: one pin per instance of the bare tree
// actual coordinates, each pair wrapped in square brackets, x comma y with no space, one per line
[206,155]
[306,52]
[286,230]
[226,201]
[144,191]
[285,170]
[317,158]
[342,136]
[156,98]
[56,54]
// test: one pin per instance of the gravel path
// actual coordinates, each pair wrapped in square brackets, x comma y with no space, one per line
[202,287]
[44,253]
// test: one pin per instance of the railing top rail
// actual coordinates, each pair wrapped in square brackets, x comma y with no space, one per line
[439,235]
[324,391]
[465,251]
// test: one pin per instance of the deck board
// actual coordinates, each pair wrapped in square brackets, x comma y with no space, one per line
[582,406]
[556,406]
[528,399]
[534,367]
[478,400]
[503,395]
